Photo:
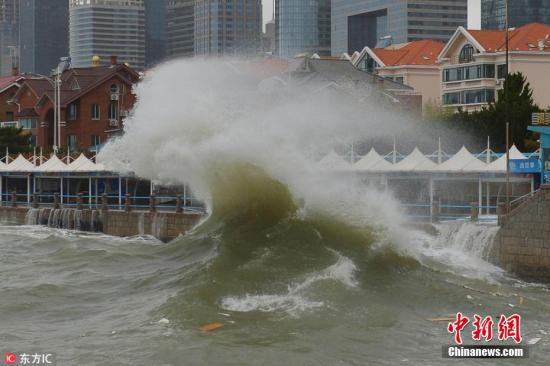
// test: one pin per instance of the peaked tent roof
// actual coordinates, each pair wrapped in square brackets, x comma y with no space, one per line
[333,161]
[83,164]
[499,165]
[372,162]
[462,161]
[20,164]
[54,164]
[415,161]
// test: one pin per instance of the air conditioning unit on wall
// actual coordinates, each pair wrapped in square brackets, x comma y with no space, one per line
[114,97]
[113,123]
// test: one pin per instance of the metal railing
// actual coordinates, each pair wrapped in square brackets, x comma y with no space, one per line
[162,203]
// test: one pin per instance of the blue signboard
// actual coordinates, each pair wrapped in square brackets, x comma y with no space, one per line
[521,166]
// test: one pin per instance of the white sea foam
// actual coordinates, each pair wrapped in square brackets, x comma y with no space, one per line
[295,300]
[462,247]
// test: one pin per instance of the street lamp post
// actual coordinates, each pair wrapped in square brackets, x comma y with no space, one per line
[507,112]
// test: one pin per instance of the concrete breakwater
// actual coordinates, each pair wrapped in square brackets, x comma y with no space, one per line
[522,244]
[162,225]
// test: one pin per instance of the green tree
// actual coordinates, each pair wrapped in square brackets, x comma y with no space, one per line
[15,140]
[491,120]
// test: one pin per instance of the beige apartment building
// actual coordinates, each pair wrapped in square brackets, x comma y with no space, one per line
[468,71]
[413,64]
[473,65]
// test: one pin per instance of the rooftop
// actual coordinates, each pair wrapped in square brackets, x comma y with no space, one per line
[422,52]
[530,37]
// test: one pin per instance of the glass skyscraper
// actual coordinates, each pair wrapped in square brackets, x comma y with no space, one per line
[180,28]
[302,26]
[230,27]
[360,23]
[9,35]
[155,31]
[107,28]
[520,12]
[43,34]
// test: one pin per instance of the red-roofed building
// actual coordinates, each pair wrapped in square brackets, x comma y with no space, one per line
[413,64]
[94,101]
[8,87]
[473,64]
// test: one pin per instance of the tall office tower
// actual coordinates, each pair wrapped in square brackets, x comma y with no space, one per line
[155,31]
[360,23]
[228,27]
[180,28]
[43,34]
[9,36]
[106,28]
[302,26]
[268,38]
[520,12]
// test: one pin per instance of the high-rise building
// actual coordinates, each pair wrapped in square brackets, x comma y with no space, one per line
[520,12]
[106,28]
[268,38]
[9,35]
[43,34]
[360,23]
[155,31]
[302,26]
[228,27]
[180,28]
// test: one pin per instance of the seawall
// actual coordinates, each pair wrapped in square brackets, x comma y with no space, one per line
[522,244]
[162,225]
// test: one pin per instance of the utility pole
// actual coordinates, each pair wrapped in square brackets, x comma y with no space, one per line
[507,113]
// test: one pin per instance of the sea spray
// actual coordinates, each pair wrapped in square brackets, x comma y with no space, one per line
[223,127]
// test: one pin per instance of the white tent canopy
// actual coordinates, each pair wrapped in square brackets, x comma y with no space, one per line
[333,161]
[372,162]
[463,161]
[83,164]
[415,161]
[499,165]
[54,164]
[20,164]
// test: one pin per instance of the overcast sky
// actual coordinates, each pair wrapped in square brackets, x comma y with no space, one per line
[474,12]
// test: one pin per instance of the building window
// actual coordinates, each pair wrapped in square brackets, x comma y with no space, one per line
[501,71]
[72,112]
[400,79]
[27,123]
[114,89]
[96,140]
[475,96]
[9,116]
[466,54]
[485,71]
[71,142]
[96,112]
[113,110]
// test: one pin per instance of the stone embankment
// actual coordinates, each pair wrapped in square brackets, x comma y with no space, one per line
[522,244]
[163,225]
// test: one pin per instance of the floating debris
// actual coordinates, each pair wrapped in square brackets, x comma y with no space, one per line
[164,321]
[210,327]
[533,341]
[443,318]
